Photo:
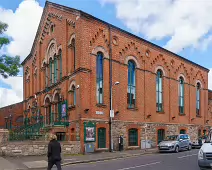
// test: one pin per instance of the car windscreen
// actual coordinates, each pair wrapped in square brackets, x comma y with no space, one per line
[172,137]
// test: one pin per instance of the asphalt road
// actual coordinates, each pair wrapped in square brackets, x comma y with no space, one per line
[186,160]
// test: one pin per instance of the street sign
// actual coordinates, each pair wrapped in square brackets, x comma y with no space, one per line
[111,113]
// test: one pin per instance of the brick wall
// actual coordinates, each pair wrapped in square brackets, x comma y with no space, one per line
[16,111]
[91,36]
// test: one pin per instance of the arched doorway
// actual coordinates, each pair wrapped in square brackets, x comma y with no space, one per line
[48,111]
[182,131]
[161,135]
[57,115]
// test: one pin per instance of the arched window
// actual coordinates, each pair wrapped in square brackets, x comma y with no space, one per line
[133,137]
[48,112]
[47,76]
[159,91]
[60,64]
[161,135]
[99,77]
[51,71]
[55,69]
[181,95]
[198,99]
[182,131]
[131,91]
[73,89]
[73,44]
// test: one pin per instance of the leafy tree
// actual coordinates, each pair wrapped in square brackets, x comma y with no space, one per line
[9,66]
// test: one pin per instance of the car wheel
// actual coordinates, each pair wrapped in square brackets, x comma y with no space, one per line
[177,149]
[189,147]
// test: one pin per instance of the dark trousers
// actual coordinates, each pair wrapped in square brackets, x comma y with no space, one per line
[52,163]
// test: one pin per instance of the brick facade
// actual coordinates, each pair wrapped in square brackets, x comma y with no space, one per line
[13,113]
[78,34]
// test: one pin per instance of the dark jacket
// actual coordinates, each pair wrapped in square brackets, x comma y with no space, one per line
[54,151]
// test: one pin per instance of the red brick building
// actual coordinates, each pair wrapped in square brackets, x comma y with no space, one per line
[11,116]
[74,62]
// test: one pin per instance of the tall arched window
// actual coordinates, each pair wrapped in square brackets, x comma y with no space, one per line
[73,44]
[60,64]
[99,77]
[159,91]
[131,91]
[46,76]
[181,95]
[73,89]
[51,71]
[55,69]
[198,99]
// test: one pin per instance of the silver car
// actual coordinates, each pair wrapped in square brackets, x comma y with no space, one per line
[175,143]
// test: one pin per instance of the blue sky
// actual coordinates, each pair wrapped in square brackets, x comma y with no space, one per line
[185,31]
[108,13]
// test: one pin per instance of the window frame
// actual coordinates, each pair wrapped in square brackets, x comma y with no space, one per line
[131,84]
[100,77]
[198,99]
[133,136]
[181,95]
[159,90]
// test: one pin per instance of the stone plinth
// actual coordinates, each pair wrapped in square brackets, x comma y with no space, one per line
[4,136]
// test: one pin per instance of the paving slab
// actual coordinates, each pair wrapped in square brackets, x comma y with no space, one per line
[6,165]
[36,164]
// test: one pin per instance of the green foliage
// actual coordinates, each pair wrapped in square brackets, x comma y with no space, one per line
[9,66]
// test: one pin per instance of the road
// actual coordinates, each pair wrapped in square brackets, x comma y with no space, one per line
[186,160]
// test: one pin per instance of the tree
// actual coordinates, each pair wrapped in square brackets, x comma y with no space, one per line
[9,66]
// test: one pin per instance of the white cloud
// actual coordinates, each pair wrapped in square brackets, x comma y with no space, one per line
[210,79]
[185,22]
[23,24]
[13,95]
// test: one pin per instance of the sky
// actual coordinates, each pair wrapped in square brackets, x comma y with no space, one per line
[181,26]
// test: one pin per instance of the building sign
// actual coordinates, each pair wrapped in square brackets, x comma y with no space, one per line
[64,109]
[99,112]
[89,132]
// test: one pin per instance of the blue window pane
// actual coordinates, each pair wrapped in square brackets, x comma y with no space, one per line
[99,75]
[131,91]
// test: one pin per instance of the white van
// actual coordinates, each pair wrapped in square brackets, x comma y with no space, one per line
[205,153]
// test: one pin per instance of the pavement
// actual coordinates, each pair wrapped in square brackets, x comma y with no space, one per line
[40,162]
[186,160]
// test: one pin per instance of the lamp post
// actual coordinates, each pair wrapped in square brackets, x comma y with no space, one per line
[111,115]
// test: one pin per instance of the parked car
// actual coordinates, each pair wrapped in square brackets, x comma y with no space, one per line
[175,143]
[205,153]
[199,142]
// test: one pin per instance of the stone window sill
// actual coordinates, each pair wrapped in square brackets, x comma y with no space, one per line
[101,105]
[133,109]
[199,116]
[182,114]
[160,112]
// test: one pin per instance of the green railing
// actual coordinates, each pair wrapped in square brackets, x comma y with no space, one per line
[27,132]
[33,131]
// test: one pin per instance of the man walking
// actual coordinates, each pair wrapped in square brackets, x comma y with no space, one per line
[54,153]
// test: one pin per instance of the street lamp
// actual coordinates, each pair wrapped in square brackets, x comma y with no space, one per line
[111,114]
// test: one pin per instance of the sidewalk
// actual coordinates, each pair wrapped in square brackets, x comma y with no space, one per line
[40,162]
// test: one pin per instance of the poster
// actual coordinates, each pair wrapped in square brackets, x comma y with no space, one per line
[63,110]
[90,135]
